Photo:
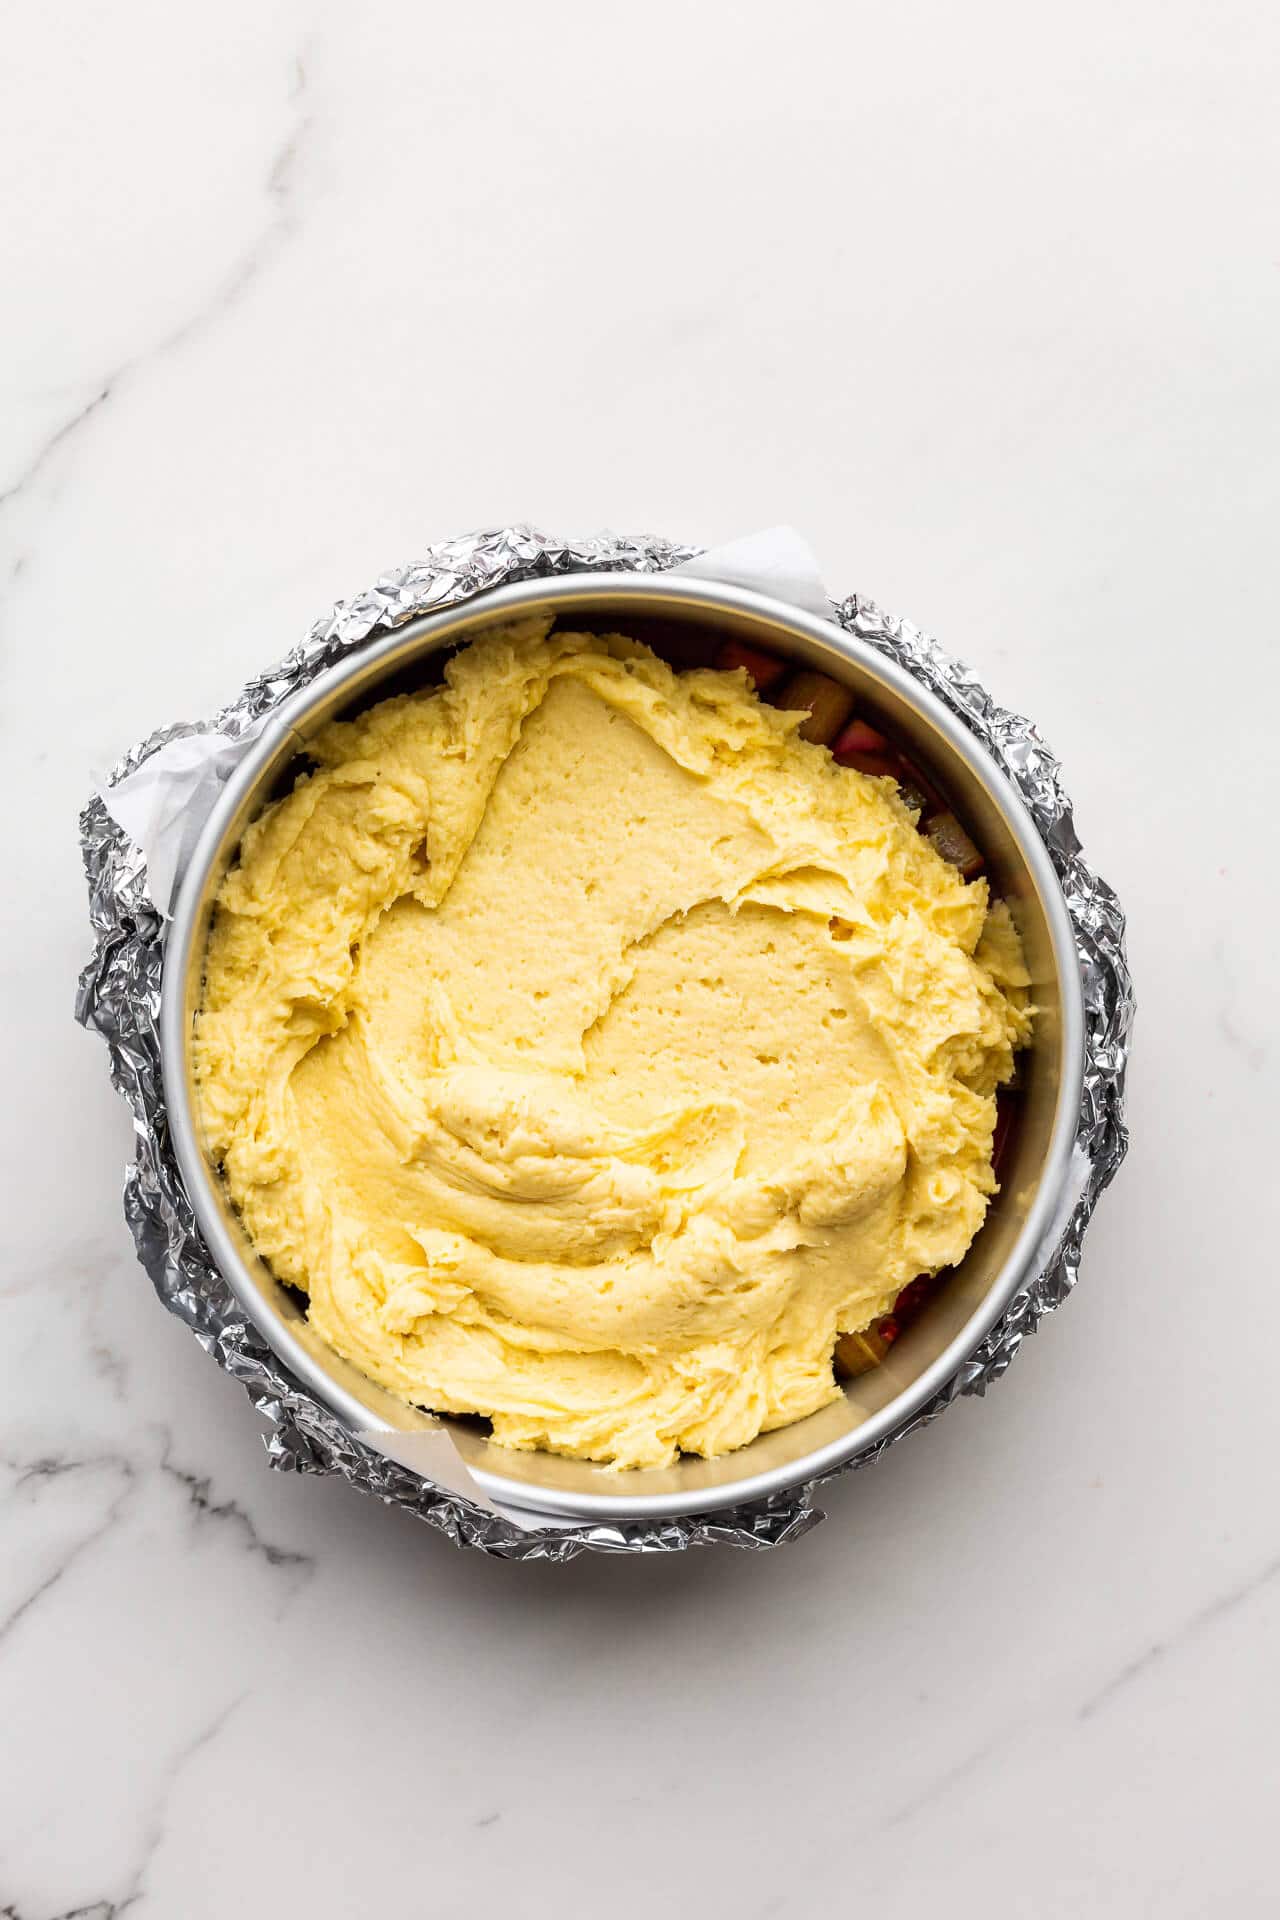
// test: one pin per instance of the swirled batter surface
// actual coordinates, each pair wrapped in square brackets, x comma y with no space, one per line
[592,1051]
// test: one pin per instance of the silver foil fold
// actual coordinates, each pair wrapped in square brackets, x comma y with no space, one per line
[119,997]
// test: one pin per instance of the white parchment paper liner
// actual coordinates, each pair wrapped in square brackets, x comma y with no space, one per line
[119,997]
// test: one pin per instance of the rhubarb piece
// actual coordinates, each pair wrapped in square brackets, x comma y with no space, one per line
[916,791]
[764,670]
[857,1353]
[954,844]
[860,746]
[859,738]
[879,766]
[1006,1110]
[824,702]
[913,1296]
[912,793]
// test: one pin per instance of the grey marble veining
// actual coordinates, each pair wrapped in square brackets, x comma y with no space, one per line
[247,263]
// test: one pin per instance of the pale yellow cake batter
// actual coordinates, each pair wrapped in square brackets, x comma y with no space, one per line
[592,1051]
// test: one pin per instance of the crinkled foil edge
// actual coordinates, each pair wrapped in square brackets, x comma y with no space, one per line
[119,998]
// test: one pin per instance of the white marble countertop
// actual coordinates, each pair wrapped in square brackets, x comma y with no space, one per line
[986,301]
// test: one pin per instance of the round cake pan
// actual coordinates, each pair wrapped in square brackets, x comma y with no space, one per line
[683,619]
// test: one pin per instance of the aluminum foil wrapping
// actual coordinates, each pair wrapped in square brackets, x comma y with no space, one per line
[119,997]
